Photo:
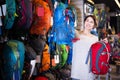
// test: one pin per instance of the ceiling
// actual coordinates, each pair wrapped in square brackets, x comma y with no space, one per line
[109,3]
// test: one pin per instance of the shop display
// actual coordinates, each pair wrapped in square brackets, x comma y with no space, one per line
[37,36]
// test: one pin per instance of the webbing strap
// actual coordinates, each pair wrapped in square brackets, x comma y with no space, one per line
[89,53]
[86,62]
[1,10]
[107,50]
[87,59]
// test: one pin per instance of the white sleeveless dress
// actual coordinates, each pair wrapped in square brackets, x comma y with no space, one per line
[80,70]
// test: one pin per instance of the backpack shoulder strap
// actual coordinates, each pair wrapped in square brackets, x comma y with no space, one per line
[98,54]
[106,49]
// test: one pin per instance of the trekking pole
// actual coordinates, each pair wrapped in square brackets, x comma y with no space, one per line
[108,77]
[99,77]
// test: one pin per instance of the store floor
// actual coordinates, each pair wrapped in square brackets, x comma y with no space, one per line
[113,74]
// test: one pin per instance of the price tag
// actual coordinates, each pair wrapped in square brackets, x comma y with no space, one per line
[40,11]
[56,58]
[38,60]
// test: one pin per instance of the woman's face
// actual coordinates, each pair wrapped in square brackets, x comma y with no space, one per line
[89,23]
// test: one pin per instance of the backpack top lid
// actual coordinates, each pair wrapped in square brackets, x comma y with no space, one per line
[96,46]
[59,16]
[41,18]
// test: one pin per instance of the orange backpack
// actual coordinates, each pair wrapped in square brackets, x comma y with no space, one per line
[45,61]
[41,18]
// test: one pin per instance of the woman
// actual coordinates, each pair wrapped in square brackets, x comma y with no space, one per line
[80,70]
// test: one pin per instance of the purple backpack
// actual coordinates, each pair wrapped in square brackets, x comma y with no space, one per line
[23,18]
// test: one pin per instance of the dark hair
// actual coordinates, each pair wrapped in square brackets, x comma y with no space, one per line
[93,17]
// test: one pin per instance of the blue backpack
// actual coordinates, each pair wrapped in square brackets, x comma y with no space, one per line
[13,60]
[10,14]
[63,30]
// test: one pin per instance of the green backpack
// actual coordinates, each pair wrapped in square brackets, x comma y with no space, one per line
[59,55]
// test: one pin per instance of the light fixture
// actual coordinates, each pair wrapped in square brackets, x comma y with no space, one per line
[117,2]
[91,1]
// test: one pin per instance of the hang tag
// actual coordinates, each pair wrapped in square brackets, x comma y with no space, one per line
[32,62]
[4,9]
[40,11]
[68,22]
[51,21]
[56,58]
[55,4]
[0,21]
[53,62]
[0,11]
[38,60]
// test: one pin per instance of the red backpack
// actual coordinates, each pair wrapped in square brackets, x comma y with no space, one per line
[41,78]
[99,58]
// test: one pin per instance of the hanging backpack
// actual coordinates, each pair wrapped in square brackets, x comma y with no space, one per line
[13,60]
[45,61]
[37,43]
[23,19]
[10,14]
[63,29]
[41,18]
[99,54]
[59,56]
[28,68]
